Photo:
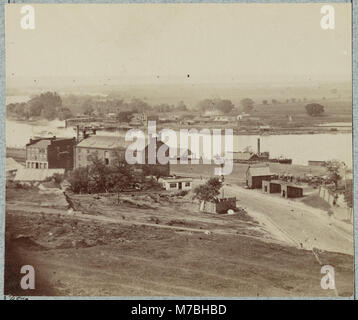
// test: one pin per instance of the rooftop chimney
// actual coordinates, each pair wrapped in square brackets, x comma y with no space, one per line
[258,146]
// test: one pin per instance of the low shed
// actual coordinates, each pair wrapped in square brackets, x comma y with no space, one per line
[221,206]
[291,191]
[256,175]
[272,186]
[176,183]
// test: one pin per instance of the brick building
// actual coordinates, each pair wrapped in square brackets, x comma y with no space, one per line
[108,149]
[50,153]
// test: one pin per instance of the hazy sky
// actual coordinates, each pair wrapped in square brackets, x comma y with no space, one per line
[210,42]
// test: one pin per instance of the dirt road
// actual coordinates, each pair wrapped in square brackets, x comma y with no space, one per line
[294,221]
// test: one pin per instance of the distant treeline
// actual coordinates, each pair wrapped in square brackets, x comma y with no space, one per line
[50,105]
[47,105]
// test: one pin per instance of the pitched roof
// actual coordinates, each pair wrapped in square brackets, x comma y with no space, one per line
[177,179]
[104,142]
[260,171]
[12,165]
[41,144]
[29,174]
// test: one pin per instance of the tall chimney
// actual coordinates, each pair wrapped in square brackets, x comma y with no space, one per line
[78,133]
[258,146]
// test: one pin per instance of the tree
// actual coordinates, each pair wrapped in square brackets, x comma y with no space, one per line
[46,104]
[224,105]
[334,169]
[48,113]
[125,116]
[64,113]
[215,183]
[206,105]
[181,106]
[35,108]
[314,109]
[163,107]
[87,108]
[221,105]
[247,104]
[120,178]
[208,191]
[123,170]
[99,174]
[139,105]
[264,102]
[20,109]
[79,180]
[100,177]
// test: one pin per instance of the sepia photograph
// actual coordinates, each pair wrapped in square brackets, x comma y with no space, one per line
[179,150]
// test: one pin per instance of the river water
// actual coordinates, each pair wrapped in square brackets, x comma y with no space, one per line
[299,147]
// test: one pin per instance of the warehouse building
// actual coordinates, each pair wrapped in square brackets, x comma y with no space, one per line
[255,175]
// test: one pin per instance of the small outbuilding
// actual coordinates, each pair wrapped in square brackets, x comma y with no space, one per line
[221,206]
[273,186]
[291,191]
[176,183]
[256,175]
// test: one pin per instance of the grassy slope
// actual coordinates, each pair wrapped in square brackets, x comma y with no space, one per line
[78,257]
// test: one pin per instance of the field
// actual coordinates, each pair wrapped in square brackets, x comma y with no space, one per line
[156,245]
[335,111]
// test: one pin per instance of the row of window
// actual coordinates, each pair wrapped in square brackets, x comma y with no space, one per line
[106,155]
[106,160]
[37,150]
[174,185]
[36,165]
[42,157]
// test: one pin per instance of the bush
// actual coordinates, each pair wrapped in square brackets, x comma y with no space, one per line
[79,180]
[314,109]
[208,191]
[58,178]
[182,193]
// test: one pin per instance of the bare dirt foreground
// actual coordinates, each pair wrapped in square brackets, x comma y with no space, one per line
[155,245]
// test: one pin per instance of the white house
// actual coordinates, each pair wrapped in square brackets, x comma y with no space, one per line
[176,183]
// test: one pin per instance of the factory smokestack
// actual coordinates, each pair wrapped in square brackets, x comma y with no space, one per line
[258,146]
